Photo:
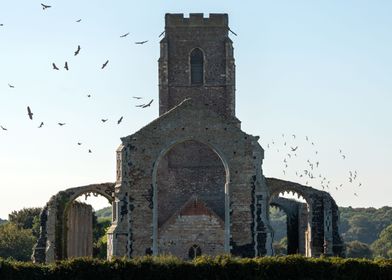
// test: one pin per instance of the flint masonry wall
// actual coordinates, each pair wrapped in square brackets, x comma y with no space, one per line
[137,190]
[195,224]
[209,34]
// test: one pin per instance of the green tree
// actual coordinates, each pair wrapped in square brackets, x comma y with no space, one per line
[382,247]
[15,242]
[27,218]
[357,249]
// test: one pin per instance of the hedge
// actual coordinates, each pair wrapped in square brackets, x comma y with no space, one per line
[219,268]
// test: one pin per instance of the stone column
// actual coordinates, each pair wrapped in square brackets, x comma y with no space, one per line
[328,233]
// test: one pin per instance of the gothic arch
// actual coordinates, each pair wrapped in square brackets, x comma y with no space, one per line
[138,158]
[196,66]
[51,244]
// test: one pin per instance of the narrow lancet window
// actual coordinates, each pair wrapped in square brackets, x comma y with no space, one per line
[197,62]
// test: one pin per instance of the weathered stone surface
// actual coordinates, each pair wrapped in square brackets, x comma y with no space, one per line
[79,230]
[192,179]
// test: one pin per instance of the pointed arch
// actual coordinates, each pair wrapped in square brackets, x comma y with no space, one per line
[197,66]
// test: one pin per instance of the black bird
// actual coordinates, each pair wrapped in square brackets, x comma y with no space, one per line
[343,156]
[89,151]
[120,120]
[141,42]
[77,51]
[41,125]
[61,124]
[104,65]
[55,67]
[1,24]
[137,97]
[11,86]
[66,66]
[294,149]
[104,120]
[294,136]
[148,104]
[3,128]
[355,194]
[45,6]
[88,95]
[124,35]
[79,20]
[29,113]
[79,143]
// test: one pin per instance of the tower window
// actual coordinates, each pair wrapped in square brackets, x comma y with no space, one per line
[197,63]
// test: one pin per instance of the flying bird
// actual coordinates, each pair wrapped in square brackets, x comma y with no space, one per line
[45,6]
[104,120]
[141,42]
[148,104]
[1,24]
[294,136]
[89,151]
[120,120]
[124,35]
[79,20]
[11,86]
[66,66]
[77,51]
[104,65]
[88,95]
[79,143]
[3,128]
[355,194]
[343,156]
[41,125]
[137,97]
[55,67]
[294,149]
[61,124]
[29,113]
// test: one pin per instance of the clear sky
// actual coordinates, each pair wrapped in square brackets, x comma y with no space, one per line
[320,69]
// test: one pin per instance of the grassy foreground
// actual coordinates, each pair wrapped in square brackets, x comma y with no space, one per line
[222,267]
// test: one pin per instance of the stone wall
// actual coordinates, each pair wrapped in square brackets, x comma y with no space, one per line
[210,35]
[80,230]
[196,225]
[135,232]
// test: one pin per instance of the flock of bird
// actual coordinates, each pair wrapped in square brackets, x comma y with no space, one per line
[30,114]
[311,173]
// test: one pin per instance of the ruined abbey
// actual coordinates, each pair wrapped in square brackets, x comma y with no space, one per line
[191,182]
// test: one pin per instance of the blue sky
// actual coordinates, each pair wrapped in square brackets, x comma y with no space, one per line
[320,69]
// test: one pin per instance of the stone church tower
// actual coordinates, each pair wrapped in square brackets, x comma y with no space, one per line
[191,182]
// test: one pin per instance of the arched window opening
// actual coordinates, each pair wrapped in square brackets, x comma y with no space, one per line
[194,252]
[197,65]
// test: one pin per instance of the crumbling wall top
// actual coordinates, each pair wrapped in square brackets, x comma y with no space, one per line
[196,20]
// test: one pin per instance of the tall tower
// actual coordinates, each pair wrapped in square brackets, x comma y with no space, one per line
[197,62]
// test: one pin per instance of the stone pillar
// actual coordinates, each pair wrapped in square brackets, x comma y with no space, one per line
[303,225]
[328,233]
[50,255]
[80,230]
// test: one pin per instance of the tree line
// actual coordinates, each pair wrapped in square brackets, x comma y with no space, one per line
[367,232]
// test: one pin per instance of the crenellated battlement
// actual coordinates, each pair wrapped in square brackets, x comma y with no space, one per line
[196,20]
